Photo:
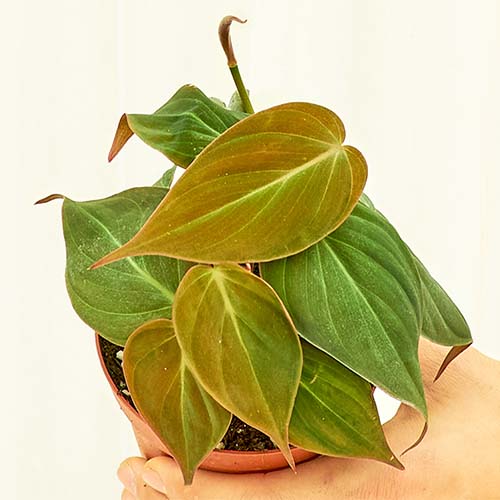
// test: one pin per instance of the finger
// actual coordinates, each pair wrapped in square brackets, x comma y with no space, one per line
[126,495]
[129,471]
[163,474]
[145,492]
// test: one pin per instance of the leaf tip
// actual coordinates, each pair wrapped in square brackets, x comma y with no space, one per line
[122,135]
[395,463]
[188,475]
[98,264]
[418,441]
[107,259]
[48,198]
[118,254]
[285,449]
[454,352]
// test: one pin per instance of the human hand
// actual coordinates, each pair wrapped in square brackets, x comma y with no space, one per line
[459,457]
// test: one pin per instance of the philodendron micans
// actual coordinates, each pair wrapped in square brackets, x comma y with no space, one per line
[262,284]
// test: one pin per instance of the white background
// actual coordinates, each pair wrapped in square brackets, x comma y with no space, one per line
[417,85]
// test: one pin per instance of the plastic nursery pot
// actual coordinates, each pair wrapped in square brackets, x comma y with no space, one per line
[219,460]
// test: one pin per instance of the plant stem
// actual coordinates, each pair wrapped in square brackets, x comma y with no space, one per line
[225,40]
[245,99]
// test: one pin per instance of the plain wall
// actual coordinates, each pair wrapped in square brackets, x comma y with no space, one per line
[417,85]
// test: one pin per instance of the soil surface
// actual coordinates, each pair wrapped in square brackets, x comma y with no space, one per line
[239,436]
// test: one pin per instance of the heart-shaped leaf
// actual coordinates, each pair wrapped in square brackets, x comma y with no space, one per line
[187,419]
[115,300]
[180,129]
[356,295]
[241,345]
[272,185]
[334,412]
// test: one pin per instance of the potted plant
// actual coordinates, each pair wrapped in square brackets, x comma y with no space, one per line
[262,285]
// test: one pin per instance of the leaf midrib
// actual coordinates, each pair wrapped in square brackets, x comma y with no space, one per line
[146,276]
[280,180]
[333,412]
[233,316]
[198,100]
[359,292]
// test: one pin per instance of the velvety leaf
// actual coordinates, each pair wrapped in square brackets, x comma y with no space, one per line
[116,299]
[334,412]
[187,419]
[241,345]
[272,185]
[180,129]
[365,200]
[165,181]
[356,295]
[442,322]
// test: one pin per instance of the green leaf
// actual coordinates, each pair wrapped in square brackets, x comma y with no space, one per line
[241,345]
[364,200]
[334,412]
[180,129]
[272,185]
[219,102]
[187,419]
[442,322]
[165,181]
[117,299]
[356,295]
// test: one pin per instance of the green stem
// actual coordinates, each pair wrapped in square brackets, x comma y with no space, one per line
[245,99]
[225,40]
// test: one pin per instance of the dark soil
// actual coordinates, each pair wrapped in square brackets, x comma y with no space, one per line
[239,436]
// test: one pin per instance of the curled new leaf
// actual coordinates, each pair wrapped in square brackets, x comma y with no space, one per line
[241,345]
[179,410]
[272,185]
[180,129]
[235,102]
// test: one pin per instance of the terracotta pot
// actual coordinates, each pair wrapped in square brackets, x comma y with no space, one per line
[219,460]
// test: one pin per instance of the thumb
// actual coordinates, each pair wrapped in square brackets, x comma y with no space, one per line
[163,475]
[130,473]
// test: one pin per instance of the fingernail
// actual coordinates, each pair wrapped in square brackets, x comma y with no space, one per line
[153,479]
[127,476]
